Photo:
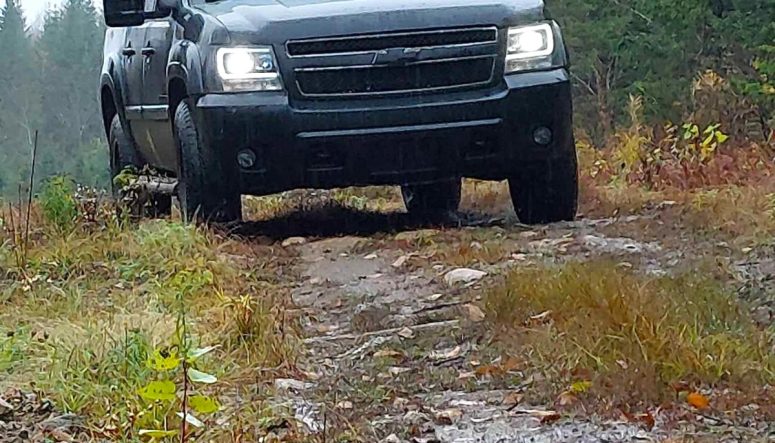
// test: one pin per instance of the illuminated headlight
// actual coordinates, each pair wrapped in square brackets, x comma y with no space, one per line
[248,69]
[530,48]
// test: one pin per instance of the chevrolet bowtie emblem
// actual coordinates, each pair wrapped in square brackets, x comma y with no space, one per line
[397,56]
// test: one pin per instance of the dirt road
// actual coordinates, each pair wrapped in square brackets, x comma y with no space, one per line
[394,342]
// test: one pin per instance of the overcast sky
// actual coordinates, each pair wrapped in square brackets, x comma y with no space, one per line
[34,8]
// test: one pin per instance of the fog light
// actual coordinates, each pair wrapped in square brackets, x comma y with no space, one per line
[542,136]
[246,158]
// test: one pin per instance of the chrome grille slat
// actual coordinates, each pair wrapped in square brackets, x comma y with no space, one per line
[363,44]
[402,62]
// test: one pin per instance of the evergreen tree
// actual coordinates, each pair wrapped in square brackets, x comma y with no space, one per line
[71,45]
[19,110]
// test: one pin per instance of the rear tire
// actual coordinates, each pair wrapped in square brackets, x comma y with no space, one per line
[547,192]
[208,183]
[123,155]
[432,200]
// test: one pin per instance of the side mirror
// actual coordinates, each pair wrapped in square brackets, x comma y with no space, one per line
[121,13]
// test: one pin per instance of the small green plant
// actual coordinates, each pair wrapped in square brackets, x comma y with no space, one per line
[700,144]
[173,393]
[58,203]
[11,349]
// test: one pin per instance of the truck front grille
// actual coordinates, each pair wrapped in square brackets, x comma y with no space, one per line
[370,43]
[395,63]
[421,76]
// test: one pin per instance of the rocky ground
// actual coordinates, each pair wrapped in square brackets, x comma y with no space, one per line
[393,337]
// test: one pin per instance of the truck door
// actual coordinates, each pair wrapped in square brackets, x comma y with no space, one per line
[133,70]
[158,141]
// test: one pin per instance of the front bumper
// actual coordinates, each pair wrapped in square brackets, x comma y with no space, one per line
[485,134]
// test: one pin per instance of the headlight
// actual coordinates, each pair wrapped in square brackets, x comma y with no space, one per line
[248,69]
[530,48]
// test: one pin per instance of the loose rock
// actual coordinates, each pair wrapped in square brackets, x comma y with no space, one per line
[463,275]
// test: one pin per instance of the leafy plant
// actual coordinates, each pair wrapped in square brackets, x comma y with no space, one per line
[58,203]
[172,396]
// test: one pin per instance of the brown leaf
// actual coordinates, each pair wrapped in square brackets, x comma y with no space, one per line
[646,419]
[512,399]
[567,398]
[448,416]
[485,370]
[549,418]
[698,400]
[511,364]
[543,416]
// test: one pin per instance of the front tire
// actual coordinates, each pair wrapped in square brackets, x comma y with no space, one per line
[547,192]
[208,183]
[432,200]
[123,156]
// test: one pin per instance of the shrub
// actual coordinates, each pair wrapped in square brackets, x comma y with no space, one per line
[58,203]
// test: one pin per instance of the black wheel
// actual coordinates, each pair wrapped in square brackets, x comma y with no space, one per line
[433,199]
[123,156]
[208,182]
[547,192]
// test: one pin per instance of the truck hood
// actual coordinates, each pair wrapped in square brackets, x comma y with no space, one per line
[276,21]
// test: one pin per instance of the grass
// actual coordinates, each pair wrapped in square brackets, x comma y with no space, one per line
[79,320]
[632,336]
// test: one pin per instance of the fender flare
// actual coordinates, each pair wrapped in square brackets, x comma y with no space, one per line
[185,64]
[112,78]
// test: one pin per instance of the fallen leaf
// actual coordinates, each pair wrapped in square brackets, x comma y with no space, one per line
[446,354]
[406,333]
[344,405]
[448,416]
[473,313]
[512,399]
[567,398]
[371,256]
[541,415]
[698,400]
[400,261]
[435,297]
[395,370]
[511,364]
[646,419]
[486,370]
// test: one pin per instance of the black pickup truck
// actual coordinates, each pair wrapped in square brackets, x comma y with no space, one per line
[233,97]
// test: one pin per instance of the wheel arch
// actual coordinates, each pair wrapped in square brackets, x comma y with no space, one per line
[184,74]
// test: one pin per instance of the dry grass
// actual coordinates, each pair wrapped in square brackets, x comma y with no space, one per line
[79,320]
[632,336]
